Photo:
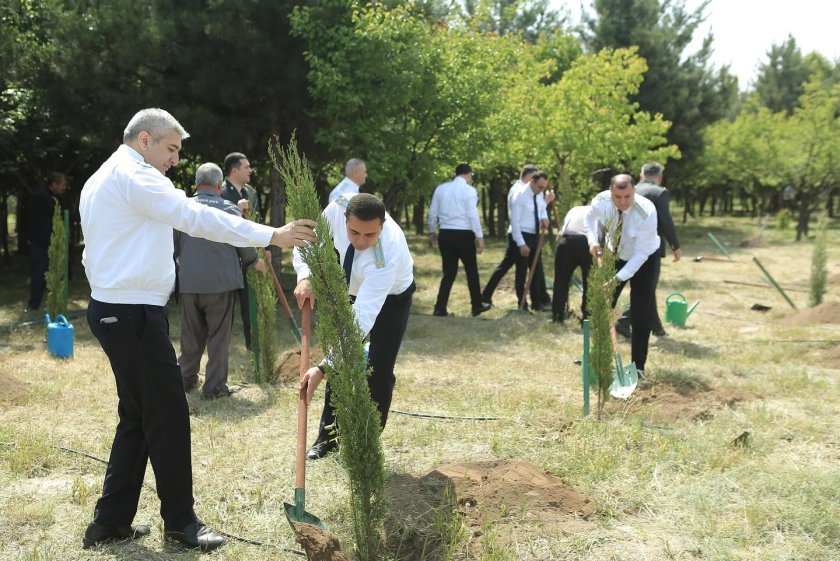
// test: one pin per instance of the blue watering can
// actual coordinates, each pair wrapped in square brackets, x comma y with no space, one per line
[676,309]
[59,336]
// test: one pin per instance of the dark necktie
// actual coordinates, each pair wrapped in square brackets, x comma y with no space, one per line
[348,262]
[536,216]
[619,227]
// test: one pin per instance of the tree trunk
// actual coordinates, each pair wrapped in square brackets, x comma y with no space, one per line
[829,206]
[4,229]
[419,216]
[804,217]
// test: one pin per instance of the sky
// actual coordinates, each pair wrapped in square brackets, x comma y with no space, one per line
[744,30]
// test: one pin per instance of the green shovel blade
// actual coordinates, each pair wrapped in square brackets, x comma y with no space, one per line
[297,514]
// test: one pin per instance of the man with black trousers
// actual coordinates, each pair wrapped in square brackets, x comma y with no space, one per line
[650,187]
[128,212]
[40,232]
[379,272]
[235,189]
[628,222]
[454,226]
[572,252]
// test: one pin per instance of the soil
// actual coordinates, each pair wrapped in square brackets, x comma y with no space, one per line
[755,241]
[320,545]
[288,367]
[834,279]
[827,312]
[12,390]
[693,400]
[511,498]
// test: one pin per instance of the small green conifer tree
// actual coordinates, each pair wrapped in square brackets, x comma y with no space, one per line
[56,276]
[819,273]
[266,329]
[340,336]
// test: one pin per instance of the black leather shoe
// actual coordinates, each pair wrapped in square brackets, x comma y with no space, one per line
[321,449]
[481,309]
[97,533]
[440,313]
[623,329]
[195,535]
[659,331]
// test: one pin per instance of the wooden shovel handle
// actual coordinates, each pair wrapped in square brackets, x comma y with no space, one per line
[277,288]
[300,451]
[531,270]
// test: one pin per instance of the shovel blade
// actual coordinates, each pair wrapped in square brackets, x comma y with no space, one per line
[300,516]
[624,386]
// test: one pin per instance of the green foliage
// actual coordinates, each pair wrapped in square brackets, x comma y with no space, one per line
[783,216]
[56,276]
[340,336]
[782,78]
[601,284]
[819,273]
[266,328]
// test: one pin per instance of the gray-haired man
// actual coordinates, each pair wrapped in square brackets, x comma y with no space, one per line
[129,210]
[355,175]
[210,275]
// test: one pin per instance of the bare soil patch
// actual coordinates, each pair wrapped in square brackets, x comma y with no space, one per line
[288,367]
[12,390]
[827,312]
[320,545]
[513,498]
[698,401]
[755,241]
[834,279]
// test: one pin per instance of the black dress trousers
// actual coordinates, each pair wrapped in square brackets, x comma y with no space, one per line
[641,295]
[154,421]
[572,252]
[457,245]
[386,336]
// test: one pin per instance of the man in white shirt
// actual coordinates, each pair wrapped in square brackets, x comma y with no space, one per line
[379,272]
[355,175]
[454,226]
[128,210]
[572,252]
[527,208]
[628,222]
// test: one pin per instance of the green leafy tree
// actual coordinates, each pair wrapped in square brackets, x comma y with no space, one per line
[357,416]
[56,275]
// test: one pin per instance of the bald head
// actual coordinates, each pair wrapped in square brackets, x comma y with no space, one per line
[622,190]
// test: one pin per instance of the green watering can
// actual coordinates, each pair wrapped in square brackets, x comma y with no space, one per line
[676,309]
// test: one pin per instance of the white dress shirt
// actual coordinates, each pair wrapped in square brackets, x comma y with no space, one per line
[521,208]
[455,206]
[574,224]
[346,185]
[128,210]
[371,279]
[638,230]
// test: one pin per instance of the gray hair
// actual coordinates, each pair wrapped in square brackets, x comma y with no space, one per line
[208,174]
[154,121]
[652,169]
[352,165]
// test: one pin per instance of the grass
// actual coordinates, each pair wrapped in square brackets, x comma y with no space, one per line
[666,486]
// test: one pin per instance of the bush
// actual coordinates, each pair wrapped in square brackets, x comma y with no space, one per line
[819,273]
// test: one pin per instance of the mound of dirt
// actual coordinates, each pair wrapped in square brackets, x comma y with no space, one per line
[288,368]
[320,545]
[827,312]
[698,401]
[512,498]
[11,389]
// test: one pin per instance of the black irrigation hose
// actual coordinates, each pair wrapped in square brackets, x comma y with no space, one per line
[444,417]
[227,535]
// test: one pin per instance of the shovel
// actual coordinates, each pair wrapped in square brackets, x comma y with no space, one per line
[531,270]
[625,381]
[297,513]
[295,330]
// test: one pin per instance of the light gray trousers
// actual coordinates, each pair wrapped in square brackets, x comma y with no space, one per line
[206,321]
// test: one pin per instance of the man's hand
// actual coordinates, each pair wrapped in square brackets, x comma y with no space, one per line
[244,206]
[595,250]
[433,239]
[677,255]
[549,197]
[479,243]
[259,266]
[544,224]
[297,233]
[309,383]
[524,250]
[303,292]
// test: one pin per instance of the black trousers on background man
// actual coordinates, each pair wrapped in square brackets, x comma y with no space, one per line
[38,263]
[458,245]
[385,339]
[154,421]
[641,294]
[514,258]
[572,252]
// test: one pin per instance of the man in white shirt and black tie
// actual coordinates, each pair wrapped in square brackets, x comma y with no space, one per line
[528,214]
[454,226]
[628,220]
[379,272]
[355,175]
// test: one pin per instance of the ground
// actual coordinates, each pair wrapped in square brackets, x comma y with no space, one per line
[730,448]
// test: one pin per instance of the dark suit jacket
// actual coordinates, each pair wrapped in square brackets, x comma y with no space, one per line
[665,224]
[229,193]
